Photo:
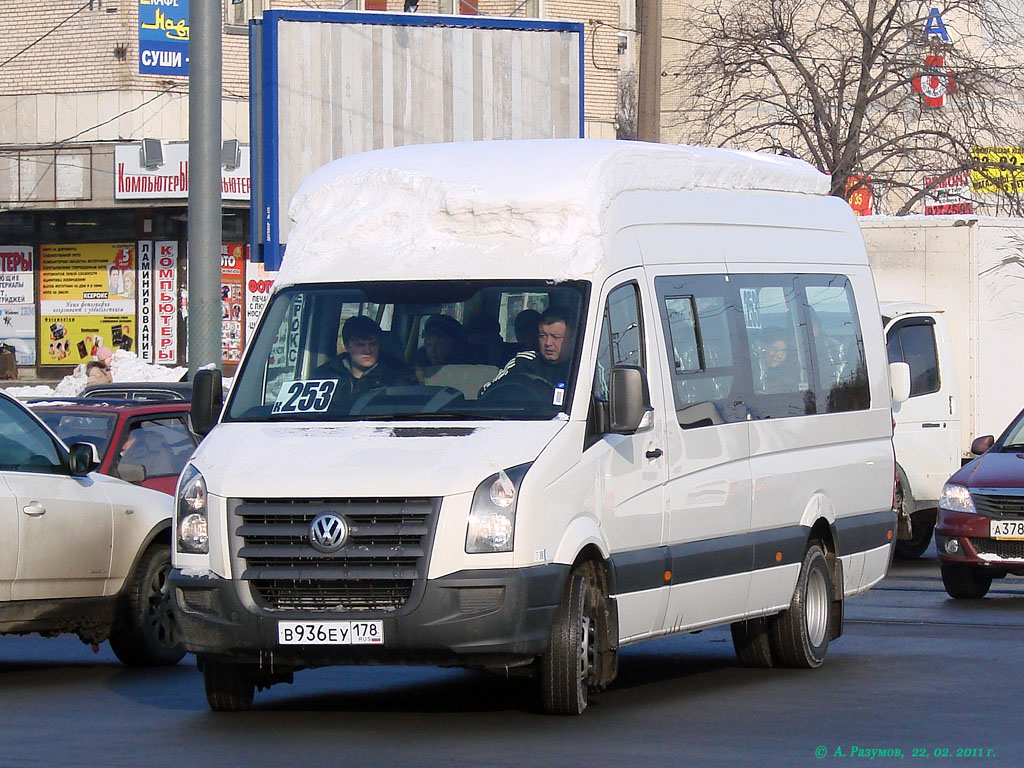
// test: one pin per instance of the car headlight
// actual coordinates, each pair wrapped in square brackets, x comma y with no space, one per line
[956,498]
[492,517]
[193,530]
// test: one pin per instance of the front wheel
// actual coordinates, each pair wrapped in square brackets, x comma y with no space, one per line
[229,687]
[148,633]
[799,636]
[965,582]
[568,667]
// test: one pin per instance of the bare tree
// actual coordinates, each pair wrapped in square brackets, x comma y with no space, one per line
[833,82]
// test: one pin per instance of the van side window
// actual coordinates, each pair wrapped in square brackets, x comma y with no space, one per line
[780,357]
[622,338]
[838,344]
[701,319]
[913,342]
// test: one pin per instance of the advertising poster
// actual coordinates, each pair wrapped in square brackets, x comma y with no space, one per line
[163,37]
[258,282]
[144,288]
[232,279]
[86,300]
[17,302]
[165,282]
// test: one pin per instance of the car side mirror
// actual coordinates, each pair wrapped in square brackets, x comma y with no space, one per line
[629,400]
[982,444]
[132,473]
[899,379]
[83,458]
[207,399]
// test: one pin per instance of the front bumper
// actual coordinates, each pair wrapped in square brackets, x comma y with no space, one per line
[971,532]
[469,618]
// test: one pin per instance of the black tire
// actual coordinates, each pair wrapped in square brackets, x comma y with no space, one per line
[914,547]
[965,582]
[751,640]
[567,668]
[799,636]
[229,687]
[147,633]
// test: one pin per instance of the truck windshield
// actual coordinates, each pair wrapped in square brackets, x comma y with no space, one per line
[413,350]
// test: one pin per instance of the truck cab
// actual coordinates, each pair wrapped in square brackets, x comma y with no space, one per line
[927,425]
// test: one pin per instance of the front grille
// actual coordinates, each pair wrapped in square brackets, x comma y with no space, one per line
[1005,505]
[383,560]
[1007,550]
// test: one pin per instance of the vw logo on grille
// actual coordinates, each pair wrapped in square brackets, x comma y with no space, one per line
[328,532]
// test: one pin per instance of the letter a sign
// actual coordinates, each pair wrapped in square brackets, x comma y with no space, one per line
[934,26]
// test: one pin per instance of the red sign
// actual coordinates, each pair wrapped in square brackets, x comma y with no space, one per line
[934,83]
[948,196]
[858,194]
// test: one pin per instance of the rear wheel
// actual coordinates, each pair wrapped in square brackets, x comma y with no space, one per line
[965,582]
[229,687]
[799,636]
[568,667]
[148,632]
[921,537]
[751,641]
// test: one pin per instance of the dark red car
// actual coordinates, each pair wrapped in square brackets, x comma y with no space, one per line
[146,443]
[980,532]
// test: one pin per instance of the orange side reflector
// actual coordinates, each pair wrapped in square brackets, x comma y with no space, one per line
[668,576]
[778,557]
[888,535]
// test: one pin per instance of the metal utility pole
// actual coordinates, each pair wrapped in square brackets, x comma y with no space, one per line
[204,204]
[649,97]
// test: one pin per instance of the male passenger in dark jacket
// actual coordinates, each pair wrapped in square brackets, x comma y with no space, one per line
[556,335]
[363,366]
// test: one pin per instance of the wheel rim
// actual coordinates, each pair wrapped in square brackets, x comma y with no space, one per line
[163,628]
[816,603]
[585,653]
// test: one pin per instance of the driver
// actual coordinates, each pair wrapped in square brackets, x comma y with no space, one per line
[550,363]
[363,366]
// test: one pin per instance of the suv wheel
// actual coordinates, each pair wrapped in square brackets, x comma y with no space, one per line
[147,634]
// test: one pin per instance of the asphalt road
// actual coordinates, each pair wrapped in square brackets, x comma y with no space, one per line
[914,671]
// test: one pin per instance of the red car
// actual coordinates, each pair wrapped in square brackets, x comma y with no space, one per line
[146,443]
[980,532]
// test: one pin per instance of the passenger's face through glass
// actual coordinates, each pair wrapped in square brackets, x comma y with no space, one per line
[439,348]
[555,341]
[776,353]
[363,353]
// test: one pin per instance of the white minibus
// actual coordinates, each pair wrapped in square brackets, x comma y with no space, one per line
[516,405]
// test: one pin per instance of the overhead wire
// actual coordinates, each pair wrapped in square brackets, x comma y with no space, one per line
[46,34]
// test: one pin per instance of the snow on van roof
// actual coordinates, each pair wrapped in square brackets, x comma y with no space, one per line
[475,209]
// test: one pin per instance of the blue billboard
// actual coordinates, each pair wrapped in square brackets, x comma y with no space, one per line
[163,37]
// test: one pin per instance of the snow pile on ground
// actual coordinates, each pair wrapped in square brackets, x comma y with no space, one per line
[454,205]
[124,367]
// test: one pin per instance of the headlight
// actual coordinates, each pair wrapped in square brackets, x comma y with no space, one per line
[193,531]
[492,518]
[956,498]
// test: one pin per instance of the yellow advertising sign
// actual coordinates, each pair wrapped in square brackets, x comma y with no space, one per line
[86,300]
[997,169]
[73,339]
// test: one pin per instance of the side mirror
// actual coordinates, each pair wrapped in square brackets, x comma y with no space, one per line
[132,473]
[982,444]
[83,458]
[899,378]
[629,400]
[207,398]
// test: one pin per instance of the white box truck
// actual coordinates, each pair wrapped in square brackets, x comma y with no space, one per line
[958,276]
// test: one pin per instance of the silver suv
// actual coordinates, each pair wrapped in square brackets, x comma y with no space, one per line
[81,552]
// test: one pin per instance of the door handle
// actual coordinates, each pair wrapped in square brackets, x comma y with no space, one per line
[34,509]
[930,425]
[655,453]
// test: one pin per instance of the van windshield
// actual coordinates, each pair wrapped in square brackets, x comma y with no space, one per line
[413,350]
